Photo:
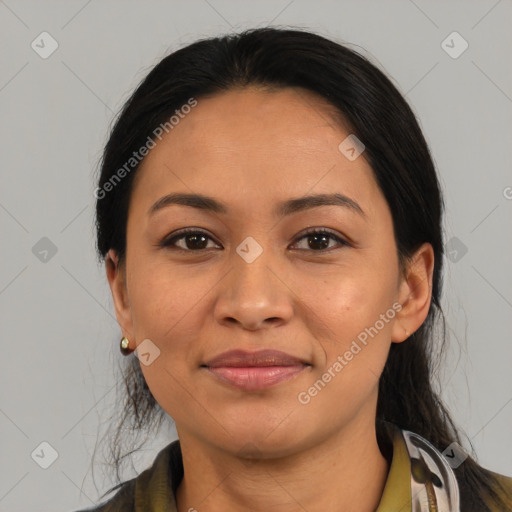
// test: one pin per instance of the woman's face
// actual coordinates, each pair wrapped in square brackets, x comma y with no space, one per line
[255,281]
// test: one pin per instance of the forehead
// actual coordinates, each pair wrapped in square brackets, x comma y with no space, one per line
[254,119]
[248,143]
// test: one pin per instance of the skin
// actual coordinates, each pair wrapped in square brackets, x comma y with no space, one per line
[252,149]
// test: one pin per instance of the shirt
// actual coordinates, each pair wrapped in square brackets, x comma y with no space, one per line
[405,490]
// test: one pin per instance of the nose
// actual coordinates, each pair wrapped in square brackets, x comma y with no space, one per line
[254,295]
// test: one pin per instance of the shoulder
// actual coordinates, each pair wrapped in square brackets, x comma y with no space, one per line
[155,485]
[122,501]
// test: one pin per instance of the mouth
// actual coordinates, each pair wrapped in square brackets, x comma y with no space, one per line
[252,371]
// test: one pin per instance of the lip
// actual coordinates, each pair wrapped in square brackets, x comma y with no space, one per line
[253,371]
[243,358]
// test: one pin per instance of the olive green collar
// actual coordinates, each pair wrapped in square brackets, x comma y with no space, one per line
[396,496]
[155,488]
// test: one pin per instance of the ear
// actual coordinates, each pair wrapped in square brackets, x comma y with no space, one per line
[415,293]
[116,275]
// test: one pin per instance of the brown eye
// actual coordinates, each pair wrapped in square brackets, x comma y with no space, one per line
[193,241]
[318,240]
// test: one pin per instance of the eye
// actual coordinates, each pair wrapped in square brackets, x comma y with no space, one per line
[319,239]
[194,240]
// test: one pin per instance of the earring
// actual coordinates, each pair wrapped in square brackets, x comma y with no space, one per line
[125,347]
[406,333]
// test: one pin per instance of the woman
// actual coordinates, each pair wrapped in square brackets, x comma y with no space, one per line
[271,224]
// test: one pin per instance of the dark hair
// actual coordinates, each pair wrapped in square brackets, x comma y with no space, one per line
[379,116]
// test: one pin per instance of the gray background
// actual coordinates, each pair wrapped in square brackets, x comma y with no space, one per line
[58,330]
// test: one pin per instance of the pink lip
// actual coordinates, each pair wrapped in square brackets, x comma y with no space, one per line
[255,370]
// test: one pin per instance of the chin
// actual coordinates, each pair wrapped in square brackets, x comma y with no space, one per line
[264,439]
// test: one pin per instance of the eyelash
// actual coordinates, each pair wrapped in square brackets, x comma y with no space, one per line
[169,242]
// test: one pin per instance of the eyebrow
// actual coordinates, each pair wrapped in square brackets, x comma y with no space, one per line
[283,209]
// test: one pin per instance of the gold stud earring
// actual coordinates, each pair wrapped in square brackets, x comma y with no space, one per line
[125,347]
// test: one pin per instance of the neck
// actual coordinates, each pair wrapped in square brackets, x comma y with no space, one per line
[345,472]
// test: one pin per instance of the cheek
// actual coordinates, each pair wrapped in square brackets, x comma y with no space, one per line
[160,300]
[169,310]
[352,319]
[347,300]
[355,343]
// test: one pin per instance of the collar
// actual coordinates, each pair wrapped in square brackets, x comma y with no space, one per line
[419,478]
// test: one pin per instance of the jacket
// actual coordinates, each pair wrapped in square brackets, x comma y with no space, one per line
[412,484]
